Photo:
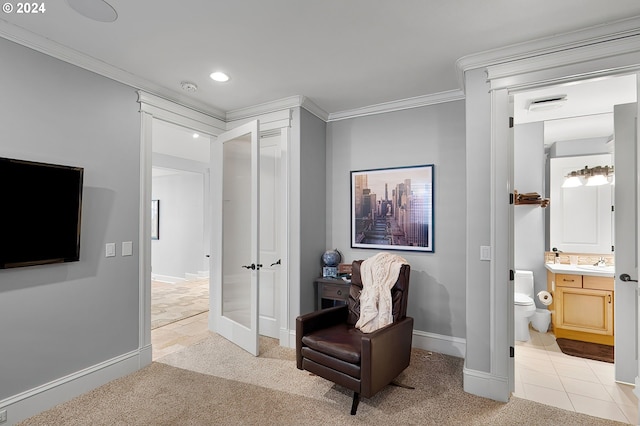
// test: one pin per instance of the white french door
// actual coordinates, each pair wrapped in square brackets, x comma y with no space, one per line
[235,259]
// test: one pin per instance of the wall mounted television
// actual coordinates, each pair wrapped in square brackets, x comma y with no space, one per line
[41,206]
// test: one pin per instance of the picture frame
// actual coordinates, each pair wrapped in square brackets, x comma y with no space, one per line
[392,208]
[155,219]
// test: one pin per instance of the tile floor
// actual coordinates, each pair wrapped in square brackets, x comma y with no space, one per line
[544,374]
[178,335]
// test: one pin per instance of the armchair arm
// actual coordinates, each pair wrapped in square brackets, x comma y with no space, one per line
[385,354]
[317,320]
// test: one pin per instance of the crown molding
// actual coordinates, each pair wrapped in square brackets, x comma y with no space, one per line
[49,47]
[415,102]
[540,47]
[314,109]
[516,74]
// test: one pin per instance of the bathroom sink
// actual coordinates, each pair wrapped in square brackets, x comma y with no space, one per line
[597,268]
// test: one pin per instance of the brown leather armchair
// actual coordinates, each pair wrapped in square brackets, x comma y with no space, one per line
[328,344]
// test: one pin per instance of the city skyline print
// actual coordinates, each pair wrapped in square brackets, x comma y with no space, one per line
[392,208]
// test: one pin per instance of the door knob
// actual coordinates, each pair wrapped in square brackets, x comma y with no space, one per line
[252,266]
[279,262]
[626,278]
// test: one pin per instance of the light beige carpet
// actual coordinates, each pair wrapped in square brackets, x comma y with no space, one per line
[175,302]
[216,383]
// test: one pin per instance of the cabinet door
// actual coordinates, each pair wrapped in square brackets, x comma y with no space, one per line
[585,310]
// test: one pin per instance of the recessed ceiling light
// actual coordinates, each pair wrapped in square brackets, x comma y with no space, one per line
[196,136]
[219,76]
[98,10]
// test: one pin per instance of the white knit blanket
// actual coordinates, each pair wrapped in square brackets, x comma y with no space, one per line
[379,273]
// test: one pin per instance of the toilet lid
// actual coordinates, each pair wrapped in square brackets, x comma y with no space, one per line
[522,299]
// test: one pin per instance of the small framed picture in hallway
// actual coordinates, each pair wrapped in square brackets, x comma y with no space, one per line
[392,208]
[155,219]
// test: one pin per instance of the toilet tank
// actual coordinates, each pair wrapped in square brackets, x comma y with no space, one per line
[524,282]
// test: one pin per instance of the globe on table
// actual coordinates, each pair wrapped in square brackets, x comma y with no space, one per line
[330,260]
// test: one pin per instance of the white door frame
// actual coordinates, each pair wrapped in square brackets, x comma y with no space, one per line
[533,72]
[155,107]
[151,107]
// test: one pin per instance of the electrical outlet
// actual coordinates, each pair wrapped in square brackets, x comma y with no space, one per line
[3,416]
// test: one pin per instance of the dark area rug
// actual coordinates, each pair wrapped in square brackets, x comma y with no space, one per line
[586,350]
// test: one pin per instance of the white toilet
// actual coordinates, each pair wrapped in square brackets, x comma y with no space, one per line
[524,306]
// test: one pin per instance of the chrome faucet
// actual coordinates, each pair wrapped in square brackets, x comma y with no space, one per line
[600,262]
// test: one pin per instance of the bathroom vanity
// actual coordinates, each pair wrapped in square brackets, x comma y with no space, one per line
[582,307]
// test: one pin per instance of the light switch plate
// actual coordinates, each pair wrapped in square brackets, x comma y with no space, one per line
[485,252]
[110,250]
[127,248]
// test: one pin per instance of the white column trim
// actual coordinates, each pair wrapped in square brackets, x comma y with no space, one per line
[144,249]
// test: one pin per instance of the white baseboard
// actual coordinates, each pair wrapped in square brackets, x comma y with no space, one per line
[448,345]
[41,398]
[167,278]
[486,385]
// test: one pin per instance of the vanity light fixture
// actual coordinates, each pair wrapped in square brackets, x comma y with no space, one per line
[594,176]
[219,76]
[572,181]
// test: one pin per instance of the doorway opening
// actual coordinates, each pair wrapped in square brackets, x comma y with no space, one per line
[179,237]
[554,124]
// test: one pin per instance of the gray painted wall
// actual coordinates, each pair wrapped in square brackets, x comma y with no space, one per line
[313,196]
[59,319]
[428,135]
[529,220]
[180,248]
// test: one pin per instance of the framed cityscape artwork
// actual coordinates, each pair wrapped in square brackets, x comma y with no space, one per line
[392,209]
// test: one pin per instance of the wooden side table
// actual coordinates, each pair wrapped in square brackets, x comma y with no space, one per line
[330,292]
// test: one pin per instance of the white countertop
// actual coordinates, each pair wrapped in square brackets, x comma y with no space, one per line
[596,271]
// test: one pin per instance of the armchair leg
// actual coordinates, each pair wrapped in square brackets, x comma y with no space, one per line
[354,404]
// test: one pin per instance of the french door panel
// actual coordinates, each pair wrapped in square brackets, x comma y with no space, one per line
[236,262]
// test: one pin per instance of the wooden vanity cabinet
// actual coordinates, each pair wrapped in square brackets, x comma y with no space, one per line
[583,308]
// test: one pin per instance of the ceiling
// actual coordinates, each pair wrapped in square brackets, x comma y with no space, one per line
[341,55]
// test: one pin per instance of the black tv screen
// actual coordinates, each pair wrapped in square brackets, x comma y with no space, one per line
[41,207]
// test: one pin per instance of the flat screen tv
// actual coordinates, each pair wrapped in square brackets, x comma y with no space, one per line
[40,211]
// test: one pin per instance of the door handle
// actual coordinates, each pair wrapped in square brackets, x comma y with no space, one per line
[253,266]
[279,262]
[626,278]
